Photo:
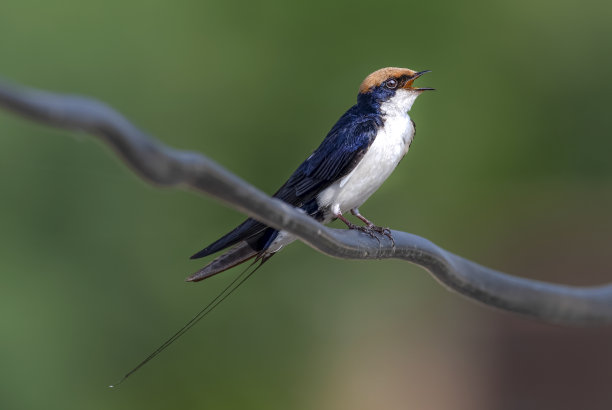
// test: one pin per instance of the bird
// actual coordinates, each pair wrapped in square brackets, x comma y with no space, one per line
[358,154]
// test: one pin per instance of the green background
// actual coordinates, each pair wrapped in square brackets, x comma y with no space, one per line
[510,167]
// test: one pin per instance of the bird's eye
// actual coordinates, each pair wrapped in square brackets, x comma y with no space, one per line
[391,84]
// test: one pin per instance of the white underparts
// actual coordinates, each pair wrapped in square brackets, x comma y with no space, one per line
[389,147]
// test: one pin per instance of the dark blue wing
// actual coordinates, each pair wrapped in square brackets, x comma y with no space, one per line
[337,155]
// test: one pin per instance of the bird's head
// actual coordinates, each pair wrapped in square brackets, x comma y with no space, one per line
[391,89]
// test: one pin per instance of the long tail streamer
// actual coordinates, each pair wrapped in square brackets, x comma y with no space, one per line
[229,289]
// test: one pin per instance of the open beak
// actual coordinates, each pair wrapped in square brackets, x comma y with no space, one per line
[409,86]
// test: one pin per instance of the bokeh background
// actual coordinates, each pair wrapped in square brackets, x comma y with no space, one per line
[510,167]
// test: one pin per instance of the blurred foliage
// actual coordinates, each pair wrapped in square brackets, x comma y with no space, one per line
[510,167]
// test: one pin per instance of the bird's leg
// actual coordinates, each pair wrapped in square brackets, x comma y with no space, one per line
[370,225]
[346,221]
[353,226]
[355,211]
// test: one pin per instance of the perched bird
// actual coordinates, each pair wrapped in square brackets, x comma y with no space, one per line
[352,162]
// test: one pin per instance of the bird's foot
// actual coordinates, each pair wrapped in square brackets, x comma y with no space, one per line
[364,229]
[381,230]
[369,228]
[374,231]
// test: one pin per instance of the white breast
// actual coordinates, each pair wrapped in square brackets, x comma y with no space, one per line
[389,147]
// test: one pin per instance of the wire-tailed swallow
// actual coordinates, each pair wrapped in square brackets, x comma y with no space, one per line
[352,162]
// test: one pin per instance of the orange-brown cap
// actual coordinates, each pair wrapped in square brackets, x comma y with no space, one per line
[380,76]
